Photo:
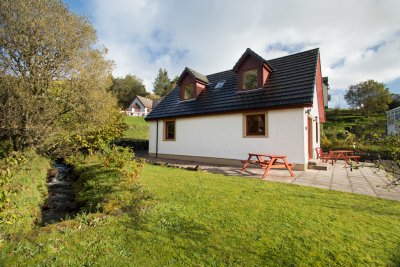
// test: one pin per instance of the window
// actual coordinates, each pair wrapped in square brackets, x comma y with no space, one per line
[219,84]
[250,79]
[255,125]
[169,130]
[316,131]
[188,91]
[390,118]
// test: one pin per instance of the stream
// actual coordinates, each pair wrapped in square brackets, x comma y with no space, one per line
[60,202]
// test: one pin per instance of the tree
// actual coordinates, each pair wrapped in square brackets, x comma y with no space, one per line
[369,96]
[53,79]
[396,101]
[162,84]
[152,96]
[126,89]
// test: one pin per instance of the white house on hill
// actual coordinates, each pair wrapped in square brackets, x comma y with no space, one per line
[265,106]
[141,106]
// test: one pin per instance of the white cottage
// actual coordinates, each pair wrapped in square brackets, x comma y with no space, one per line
[266,106]
[140,106]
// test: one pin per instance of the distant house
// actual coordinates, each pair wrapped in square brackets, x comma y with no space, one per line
[393,121]
[267,106]
[141,106]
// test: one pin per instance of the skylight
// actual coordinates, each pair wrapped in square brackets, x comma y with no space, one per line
[219,84]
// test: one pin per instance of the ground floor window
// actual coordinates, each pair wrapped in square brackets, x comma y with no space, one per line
[255,125]
[169,130]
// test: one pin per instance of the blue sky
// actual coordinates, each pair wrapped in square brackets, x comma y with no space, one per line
[358,39]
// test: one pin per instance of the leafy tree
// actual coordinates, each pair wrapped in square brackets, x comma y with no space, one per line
[396,101]
[369,96]
[53,78]
[174,82]
[127,88]
[152,96]
[162,84]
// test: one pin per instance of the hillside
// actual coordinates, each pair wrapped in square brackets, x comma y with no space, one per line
[138,128]
[347,129]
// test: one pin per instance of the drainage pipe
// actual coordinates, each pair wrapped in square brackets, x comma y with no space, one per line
[157,141]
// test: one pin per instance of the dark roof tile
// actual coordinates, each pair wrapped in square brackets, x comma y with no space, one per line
[290,83]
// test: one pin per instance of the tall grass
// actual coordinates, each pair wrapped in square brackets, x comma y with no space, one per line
[26,192]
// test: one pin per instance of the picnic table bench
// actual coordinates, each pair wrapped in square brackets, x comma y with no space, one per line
[273,162]
[346,155]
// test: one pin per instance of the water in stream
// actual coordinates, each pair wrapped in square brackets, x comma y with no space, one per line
[60,202]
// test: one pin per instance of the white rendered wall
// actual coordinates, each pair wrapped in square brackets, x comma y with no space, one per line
[393,121]
[221,136]
[391,128]
[313,113]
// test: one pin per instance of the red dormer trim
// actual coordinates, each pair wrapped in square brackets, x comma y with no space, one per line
[266,71]
[187,78]
[251,61]
[320,95]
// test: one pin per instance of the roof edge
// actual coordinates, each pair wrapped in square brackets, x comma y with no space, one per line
[231,111]
[197,75]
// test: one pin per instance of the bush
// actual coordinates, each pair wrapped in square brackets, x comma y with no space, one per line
[346,129]
[108,182]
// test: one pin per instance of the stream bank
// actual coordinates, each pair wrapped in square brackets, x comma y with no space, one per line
[60,203]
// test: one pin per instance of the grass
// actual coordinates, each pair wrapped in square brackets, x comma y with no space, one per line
[138,128]
[27,189]
[198,218]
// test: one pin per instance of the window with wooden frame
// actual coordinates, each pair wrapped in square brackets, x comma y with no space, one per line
[169,130]
[250,79]
[255,125]
[188,91]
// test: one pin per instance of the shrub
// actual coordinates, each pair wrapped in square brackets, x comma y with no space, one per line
[111,186]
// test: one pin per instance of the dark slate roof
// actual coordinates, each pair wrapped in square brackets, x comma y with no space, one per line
[291,83]
[194,73]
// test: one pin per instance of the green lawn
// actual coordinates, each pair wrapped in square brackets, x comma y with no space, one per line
[26,191]
[198,218]
[138,128]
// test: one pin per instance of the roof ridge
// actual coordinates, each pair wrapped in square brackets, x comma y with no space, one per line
[218,72]
[294,54]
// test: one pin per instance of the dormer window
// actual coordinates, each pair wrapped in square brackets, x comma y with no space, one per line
[250,79]
[252,71]
[191,84]
[188,91]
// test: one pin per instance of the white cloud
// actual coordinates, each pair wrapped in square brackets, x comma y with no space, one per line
[209,36]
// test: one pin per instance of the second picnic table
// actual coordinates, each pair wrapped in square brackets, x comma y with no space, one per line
[273,162]
[346,155]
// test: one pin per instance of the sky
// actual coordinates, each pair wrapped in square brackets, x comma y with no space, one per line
[358,39]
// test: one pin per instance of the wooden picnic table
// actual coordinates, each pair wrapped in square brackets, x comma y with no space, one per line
[345,155]
[272,162]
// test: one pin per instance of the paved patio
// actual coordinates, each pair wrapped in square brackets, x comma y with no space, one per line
[364,180]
